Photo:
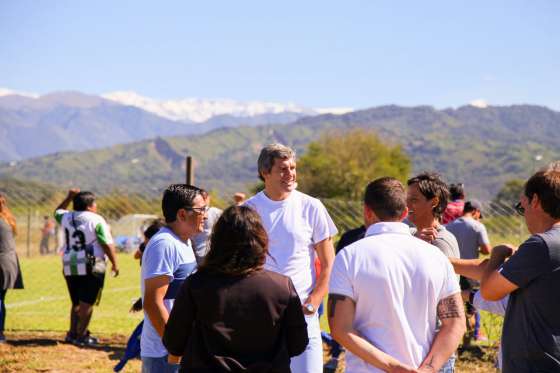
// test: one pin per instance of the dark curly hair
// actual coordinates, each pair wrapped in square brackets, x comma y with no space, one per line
[431,185]
[238,244]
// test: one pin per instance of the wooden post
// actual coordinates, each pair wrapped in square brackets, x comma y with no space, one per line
[190,171]
[28,233]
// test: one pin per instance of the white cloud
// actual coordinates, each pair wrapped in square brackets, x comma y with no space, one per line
[9,92]
[479,103]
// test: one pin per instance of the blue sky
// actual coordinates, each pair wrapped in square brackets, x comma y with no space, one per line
[315,53]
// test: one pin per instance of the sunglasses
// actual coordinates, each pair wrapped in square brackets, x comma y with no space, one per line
[198,210]
[519,209]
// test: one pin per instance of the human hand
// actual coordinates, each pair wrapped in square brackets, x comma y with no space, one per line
[114,270]
[73,191]
[173,359]
[427,234]
[503,251]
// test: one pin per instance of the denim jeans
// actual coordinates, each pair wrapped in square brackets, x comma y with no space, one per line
[158,365]
[449,366]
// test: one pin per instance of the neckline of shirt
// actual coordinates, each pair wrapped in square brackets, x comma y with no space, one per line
[388,227]
[272,202]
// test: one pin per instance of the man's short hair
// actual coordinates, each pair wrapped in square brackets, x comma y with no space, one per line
[456,191]
[546,184]
[83,200]
[271,152]
[386,197]
[431,186]
[178,196]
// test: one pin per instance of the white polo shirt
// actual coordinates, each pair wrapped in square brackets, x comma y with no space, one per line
[396,281]
[294,226]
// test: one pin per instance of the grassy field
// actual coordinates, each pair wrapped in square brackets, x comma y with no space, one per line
[38,317]
[44,304]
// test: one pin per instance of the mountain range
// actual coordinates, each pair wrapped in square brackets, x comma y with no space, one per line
[483,147]
[32,126]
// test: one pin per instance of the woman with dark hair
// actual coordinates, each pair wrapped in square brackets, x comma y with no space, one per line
[232,315]
[10,273]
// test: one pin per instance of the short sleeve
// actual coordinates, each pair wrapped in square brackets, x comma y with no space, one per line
[323,226]
[103,233]
[59,214]
[451,284]
[156,260]
[341,281]
[483,236]
[528,263]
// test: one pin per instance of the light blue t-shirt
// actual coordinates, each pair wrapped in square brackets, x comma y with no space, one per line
[166,255]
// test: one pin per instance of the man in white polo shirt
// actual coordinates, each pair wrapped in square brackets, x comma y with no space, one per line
[299,228]
[388,289]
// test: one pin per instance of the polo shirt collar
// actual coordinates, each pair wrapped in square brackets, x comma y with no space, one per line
[388,227]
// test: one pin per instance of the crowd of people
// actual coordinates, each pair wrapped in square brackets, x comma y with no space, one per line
[241,290]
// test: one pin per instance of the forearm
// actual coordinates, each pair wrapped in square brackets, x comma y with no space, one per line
[322,285]
[111,254]
[366,351]
[444,345]
[64,204]
[470,268]
[158,315]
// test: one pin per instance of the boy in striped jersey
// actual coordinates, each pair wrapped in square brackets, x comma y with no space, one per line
[88,240]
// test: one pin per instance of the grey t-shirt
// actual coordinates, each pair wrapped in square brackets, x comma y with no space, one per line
[200,241]
[531,331]
[445,241]
[470,235]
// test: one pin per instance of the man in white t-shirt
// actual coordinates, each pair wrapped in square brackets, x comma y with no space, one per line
[388,289]
[299,229]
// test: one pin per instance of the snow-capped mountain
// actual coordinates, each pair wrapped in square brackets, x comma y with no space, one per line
[200,110]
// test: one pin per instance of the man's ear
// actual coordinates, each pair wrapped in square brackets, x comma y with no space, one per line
[404,214]
[535,202]
[181,215]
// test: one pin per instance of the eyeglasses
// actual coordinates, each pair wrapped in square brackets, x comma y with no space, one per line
[199,210]
[519,209]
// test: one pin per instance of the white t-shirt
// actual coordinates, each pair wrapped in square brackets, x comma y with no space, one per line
[294,226]
[396,281]
[166,255]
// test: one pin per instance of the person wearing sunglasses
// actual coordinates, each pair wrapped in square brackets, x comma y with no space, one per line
[530,275]
[167,261]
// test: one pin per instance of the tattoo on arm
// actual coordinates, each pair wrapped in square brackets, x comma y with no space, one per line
[331,304]
[448,308]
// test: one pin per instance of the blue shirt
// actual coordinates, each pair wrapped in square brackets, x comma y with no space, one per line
[164,255]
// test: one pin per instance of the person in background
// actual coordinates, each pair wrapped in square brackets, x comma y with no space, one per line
[530,275]
[387,291]
[88,241]
[456,204]
[47,231]
[200,241]
[238,198]
[473,239]
[426,199]
[10,272]
[299,229]
[167,261]
[233,315]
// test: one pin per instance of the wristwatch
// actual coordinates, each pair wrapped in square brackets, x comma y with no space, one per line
[309,307]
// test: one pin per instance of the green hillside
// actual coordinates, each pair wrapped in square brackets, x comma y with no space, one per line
[481,147]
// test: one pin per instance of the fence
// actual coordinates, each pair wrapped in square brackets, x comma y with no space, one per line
[44,304]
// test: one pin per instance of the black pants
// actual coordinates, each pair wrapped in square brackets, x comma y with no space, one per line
[2,309]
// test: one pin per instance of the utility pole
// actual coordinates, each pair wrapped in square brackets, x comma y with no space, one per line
[190,170]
